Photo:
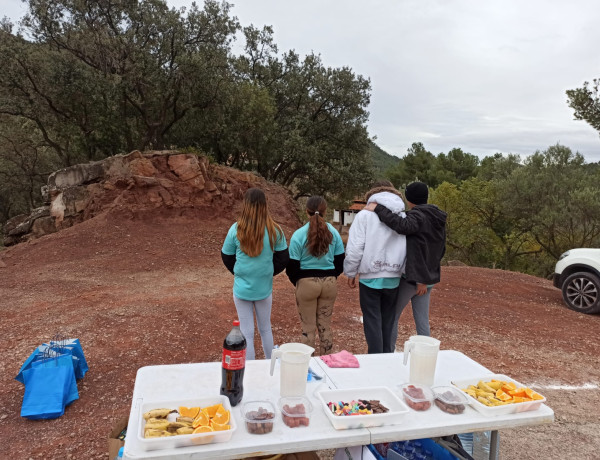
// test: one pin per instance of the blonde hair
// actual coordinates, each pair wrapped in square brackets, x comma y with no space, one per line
[252,222]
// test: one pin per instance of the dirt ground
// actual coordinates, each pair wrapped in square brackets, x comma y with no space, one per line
[151,290]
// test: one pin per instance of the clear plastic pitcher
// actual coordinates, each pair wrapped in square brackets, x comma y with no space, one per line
[293,369]
[423,353]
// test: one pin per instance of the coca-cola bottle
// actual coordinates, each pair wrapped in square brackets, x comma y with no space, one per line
[233,364]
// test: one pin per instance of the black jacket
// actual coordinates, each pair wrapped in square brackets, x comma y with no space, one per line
[425,230]
[294,272]
[280,260]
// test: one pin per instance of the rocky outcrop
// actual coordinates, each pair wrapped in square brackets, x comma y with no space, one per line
[139,183]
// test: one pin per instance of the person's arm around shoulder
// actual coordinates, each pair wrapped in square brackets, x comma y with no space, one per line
[403,225]
[281,255]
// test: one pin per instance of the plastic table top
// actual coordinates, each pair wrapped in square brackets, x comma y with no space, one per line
[166,383]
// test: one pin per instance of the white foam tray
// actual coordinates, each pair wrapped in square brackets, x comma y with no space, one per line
[184,440]
[395,416]
[497,410]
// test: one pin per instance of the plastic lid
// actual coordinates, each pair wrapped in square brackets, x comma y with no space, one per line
[450,395]
[295,406]
[236,322]
[416,392]
[256,411]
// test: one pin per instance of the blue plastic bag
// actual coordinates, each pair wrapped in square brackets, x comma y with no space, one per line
[73,347]
[69,346]
[49,386]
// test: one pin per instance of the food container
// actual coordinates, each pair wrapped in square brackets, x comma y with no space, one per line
[418,397]
[295,411]
[497,410]
[450,399]
[259,416]
[184,440]
[395,415]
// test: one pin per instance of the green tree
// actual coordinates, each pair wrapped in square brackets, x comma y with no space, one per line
[315,140]
[555,198]
[585,101]
[417,165]
[498,166]
[455,167]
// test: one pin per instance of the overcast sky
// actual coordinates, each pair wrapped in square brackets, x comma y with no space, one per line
[485,76]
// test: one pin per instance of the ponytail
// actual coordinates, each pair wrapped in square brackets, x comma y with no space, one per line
[319,236]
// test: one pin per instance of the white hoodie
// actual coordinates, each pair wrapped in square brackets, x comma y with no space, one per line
[374,250]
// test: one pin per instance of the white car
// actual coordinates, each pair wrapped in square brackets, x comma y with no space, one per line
[577,274]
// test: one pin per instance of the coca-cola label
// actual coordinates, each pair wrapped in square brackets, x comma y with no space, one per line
[234,360]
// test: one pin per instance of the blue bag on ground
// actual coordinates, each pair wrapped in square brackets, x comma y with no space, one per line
[73,347]
[49,386]
[69,346]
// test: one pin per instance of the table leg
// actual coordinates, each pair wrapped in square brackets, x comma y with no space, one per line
[494,445]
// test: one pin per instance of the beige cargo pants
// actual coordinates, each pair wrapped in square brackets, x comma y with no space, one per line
[315,298]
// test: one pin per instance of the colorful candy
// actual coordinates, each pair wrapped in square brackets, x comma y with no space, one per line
[356,407]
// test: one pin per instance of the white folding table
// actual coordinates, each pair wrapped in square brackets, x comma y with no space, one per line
[193,381]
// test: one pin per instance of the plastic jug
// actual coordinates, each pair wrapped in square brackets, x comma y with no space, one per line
[293,369]
[423,351]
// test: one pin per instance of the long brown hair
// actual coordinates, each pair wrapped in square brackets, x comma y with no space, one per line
[252,222]
[319,236]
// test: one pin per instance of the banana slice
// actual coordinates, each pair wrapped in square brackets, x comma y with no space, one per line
[152,433]
[157,424]
[157,413]
[189,420]
[185,430]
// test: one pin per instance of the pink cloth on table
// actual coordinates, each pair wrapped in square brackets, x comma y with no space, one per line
[342,359]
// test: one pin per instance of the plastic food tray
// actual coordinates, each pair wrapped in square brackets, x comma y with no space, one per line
[185,440]
[497,410]
[395,416]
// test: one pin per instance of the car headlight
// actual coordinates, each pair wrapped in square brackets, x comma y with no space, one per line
[563,255]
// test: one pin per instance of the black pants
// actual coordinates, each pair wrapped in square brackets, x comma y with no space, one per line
[379,317]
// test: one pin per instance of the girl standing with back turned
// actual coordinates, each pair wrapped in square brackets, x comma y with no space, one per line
[316,259]
[255,250]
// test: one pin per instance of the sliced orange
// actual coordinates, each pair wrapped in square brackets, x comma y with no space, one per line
[536,396]
[221,416]
[502,396]
[508,386]
[191,412]
[202,419]
[203,429]
[212,410]
[219,427]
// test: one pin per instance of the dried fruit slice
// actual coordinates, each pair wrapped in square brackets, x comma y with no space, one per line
[212,410]
[202,419]
[221,416]
[189,411]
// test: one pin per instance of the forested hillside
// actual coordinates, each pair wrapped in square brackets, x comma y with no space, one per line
[81,82]
[382,161]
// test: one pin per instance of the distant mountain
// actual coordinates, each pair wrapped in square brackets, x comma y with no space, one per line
[382,160]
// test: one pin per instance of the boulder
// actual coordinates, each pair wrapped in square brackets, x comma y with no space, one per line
[186,167]
[76,175]
[138,183]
